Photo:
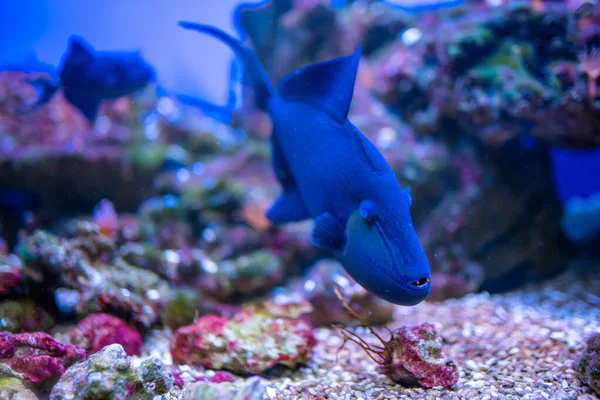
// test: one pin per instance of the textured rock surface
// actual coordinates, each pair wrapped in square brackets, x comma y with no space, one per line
[589,363]
[36,358]
[11,274]
[13,389]
[23,315]
[417,358]
[109,374]
[88,264]
[250,343]
[253,389]
[96,331]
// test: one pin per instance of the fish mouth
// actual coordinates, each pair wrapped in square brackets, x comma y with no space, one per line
[422,283]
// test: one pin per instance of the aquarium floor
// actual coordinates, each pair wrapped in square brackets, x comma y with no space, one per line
[520,345]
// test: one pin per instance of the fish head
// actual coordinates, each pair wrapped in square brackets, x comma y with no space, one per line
[382,251]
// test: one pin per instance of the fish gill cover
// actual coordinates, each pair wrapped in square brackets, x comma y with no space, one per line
[142,249]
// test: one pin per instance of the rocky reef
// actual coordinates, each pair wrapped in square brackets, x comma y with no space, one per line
[252,342]
[136,260]
[589,363]
[36,358]
[109,374]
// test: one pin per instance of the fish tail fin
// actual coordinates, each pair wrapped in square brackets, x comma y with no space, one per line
[45,88]
[253,70]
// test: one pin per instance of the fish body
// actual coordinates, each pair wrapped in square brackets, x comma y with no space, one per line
[333,174]
[271,10]
[88,77]
[416,6]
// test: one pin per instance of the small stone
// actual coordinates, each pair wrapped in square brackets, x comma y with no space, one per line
[253,389]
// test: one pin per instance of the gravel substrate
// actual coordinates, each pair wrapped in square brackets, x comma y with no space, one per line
[521,345]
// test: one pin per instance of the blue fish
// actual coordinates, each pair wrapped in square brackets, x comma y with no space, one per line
[330,172]
[87,77]
[411,6]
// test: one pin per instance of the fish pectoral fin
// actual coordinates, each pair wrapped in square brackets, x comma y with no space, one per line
[87,106]
[289,207]
[280,166]
[328,233]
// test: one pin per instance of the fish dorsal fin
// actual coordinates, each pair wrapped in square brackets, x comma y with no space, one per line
[80,50]
[328,85]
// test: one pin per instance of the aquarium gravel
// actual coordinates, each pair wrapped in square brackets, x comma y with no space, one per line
[520,345]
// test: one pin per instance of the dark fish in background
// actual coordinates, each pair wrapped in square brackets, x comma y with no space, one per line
[88,77]
[256,20]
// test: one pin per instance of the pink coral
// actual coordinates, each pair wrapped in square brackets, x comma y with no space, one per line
[37,357]
[188,340]
[99,330]
[10,274]
[252,342]
[417,358]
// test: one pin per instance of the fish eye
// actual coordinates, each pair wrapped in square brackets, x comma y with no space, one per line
[367,211]
[420,283]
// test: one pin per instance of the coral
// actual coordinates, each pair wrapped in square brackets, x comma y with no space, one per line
[96,331]
[23,315]
[253,389]
[417,358]
[589,363]
[104,285]
[109,374]
[11,274]
[252,342]
[317,287]
[36,358]
[412,355]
